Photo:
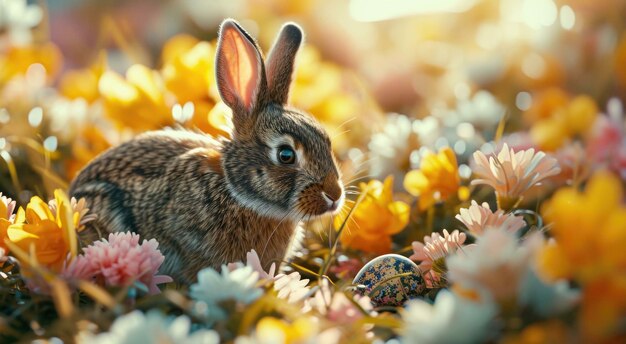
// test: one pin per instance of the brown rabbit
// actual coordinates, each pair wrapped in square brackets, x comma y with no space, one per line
[210,201]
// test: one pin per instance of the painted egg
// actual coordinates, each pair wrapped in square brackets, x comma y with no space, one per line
[390,280]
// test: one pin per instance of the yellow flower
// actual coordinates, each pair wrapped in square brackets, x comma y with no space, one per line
[83,83]
[189,74]
[589,230]
[590,239]
[279,331]
[17,60]
[375,218]
[188,68]
[136,102]
[44,235]
[436,180]
[566,121]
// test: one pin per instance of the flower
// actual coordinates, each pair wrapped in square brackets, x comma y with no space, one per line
[374,219]
[17,17]
[436,180]
[451,319]
[17,60]
[119,262]
[153,327]
[511,173]
[573,119]
[339,307]
[50,234]
[212,288]
[83,83]
[253,261]
[274,330]
[496,263]
[7,206]
[137,101]
[391,148]
[79,210]
[435,249]
[291,287]
[588,228]
[607,143]
[482,110]
[189,74]
[479,218]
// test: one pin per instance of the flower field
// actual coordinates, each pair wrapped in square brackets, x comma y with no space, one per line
[481,146]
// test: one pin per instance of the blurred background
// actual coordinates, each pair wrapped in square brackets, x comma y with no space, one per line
[389,79]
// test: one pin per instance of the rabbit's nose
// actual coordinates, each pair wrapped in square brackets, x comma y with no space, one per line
[332,204]
[331,189]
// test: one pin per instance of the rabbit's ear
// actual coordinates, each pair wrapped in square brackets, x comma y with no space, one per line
[240,72]
[280,62]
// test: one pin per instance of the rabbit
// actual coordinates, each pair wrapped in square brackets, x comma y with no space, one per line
[209,201]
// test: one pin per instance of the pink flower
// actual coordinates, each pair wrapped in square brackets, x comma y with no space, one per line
[607,144]
[436,248]
[511,173]
[119,262]
[479,218]
[8,205]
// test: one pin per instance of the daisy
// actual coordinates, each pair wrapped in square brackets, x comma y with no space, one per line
[239,285]
[478,218]
[153,327]
[511,173]
[451,319]
[435,249]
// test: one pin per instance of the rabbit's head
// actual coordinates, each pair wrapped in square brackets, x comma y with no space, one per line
[279,162]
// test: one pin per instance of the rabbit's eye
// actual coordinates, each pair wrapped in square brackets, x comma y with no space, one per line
[286,155]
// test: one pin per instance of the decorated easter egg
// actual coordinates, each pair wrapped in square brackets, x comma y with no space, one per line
[390,280]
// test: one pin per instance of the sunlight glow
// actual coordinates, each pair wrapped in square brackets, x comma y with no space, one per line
[376,10]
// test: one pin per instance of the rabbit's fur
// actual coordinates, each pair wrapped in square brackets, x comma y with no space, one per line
[210,201]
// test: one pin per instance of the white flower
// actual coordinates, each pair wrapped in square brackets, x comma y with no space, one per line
[482,109]
[500,265]
[451,319]
[17,18]
[496,263]
[212,288]
[291,287]
[153,327]
[391,148]
[511,173]
[479,218]
[339,307]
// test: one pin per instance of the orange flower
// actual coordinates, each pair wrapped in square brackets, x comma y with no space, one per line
[590,239]
[436,180]
[375,218]
[43,236]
